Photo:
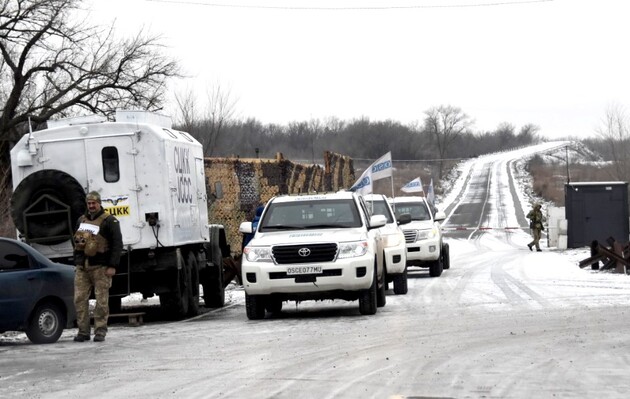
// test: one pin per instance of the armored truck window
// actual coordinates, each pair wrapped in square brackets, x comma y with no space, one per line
[111,169]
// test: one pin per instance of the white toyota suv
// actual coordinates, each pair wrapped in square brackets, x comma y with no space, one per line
[394,247]
[313,247]
[425,246]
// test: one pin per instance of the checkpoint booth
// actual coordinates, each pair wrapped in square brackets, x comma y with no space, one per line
[596,211]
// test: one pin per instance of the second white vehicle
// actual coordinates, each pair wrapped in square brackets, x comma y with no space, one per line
[394,247]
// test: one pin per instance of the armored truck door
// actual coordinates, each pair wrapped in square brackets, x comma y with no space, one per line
[111,171]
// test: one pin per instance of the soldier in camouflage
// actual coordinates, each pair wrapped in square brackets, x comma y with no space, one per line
[97,250]
[536,220]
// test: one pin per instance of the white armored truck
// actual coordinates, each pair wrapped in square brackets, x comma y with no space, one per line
[151,177]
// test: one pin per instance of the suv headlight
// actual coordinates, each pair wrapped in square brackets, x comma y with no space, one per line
[427,234]
[352,249]
[257,254]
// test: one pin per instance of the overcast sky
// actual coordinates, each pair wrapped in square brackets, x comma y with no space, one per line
[558,64]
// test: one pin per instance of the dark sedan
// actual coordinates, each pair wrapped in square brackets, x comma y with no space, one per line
[36,294]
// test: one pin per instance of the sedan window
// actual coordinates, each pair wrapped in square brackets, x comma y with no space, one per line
[12,257]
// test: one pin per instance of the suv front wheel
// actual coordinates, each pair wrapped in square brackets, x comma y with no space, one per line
[400,283]
[367,298]
[436,267]
[255,306]
[446,258]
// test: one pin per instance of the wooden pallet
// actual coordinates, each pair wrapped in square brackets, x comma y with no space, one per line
[135,319]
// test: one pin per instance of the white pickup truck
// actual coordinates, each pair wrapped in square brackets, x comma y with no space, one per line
[314,247]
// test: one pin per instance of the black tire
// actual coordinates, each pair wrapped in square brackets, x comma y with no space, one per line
[273,305]
[446,257]
[436,268]
[115,304]
[46,324]
[193,292]
[255,306]
[212,278]
[367,298]
[381,298]
[57,185]
[175,303]
[400,283]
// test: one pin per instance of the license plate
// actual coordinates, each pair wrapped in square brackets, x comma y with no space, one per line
[296,270]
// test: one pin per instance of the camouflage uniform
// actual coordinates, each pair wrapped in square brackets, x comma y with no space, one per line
[536,225]
[85,278]
[91,270]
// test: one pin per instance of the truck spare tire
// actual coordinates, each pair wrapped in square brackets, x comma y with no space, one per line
[45,194]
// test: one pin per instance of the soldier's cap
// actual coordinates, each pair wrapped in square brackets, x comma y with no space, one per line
[537,205]
[93,196]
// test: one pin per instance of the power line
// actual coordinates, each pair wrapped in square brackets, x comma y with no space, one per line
[388,7]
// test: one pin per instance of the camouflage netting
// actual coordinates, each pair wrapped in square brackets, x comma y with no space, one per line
[243,184]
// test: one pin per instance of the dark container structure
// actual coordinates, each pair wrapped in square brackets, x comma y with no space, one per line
[596,211]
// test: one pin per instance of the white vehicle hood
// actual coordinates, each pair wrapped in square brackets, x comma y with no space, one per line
[287,237]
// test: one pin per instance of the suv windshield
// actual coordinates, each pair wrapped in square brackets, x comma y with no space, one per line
[310,215]
[417,210]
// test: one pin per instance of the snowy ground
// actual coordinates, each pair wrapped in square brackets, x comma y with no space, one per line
[502,322]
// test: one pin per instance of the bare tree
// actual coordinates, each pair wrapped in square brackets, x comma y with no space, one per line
[528,134]
[186,110]
[445,123]
[54,66]
[221,108]
[615,132]
[209,124]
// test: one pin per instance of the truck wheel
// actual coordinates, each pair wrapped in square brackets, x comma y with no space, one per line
[213,290]
[46,324]
[175,303]
[60,190]
[436,267]
[446,257]
[381,299]
[212,275]
[367,298]
[255,306]
[400,283]
[115,304]
[193,292]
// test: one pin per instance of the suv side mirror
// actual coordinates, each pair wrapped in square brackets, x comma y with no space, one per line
[439,216]
[403,218]
[246,228]
[377,221]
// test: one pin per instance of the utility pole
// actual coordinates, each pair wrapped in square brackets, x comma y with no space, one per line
[566,151]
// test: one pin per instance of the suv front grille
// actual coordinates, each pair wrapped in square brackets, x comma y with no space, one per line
[304,253]
[410,235]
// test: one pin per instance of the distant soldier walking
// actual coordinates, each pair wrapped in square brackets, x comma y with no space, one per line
[536,220]
[97,250]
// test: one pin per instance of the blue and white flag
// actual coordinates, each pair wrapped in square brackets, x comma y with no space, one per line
[382,167]
[414,186]
[363,186]
[431,193]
